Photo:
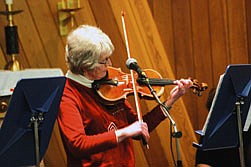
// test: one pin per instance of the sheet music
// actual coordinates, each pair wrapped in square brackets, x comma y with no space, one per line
[248,120]
[9,79]
[213,102]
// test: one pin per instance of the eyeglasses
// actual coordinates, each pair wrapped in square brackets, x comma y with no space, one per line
[104,61]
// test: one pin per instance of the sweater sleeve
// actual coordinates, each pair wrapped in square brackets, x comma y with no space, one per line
[154,118]
[73,131]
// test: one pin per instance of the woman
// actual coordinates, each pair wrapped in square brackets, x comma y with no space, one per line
[93,133]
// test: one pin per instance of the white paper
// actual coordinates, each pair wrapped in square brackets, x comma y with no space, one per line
[213,103]
[9,79]
[248,120]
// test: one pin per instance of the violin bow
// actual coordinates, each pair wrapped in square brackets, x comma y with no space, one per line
[136,97]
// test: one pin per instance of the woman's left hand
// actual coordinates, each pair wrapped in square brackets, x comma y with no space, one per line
[180,89]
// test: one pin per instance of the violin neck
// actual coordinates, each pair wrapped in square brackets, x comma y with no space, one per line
[155,81]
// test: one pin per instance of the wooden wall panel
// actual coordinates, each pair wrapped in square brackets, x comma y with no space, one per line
[183,49]
[216,28]
[201,49]
[55,155]
[3,22]
[2,59]
[52,44]
[248,25]
[30,41]
[218,40]
[179,39]
[164,22]
[237,32]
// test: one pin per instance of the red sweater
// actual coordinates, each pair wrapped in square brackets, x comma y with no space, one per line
[88,128]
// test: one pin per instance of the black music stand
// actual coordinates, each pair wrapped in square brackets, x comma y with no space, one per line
[29,121]
[223,128]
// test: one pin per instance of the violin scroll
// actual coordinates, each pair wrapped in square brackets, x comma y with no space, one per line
[197,87]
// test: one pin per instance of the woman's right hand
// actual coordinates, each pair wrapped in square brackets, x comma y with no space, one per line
[135,129]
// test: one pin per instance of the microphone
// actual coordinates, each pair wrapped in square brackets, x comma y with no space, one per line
[132,64]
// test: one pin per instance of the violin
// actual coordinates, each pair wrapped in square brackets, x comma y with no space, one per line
[117,85]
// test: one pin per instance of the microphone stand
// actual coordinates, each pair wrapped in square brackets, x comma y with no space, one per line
[176,134]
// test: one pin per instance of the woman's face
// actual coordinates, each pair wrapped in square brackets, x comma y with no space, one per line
[100,70]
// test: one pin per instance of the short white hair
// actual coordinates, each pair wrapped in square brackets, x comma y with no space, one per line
[84,47]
